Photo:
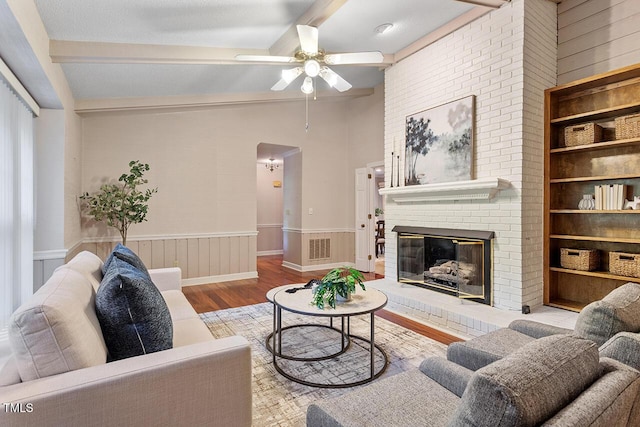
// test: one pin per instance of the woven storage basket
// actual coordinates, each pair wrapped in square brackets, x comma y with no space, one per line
[580,259]
[624,264]
[627,126]
[586,133]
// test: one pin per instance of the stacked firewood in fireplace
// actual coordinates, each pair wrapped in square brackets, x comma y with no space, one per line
[452,272]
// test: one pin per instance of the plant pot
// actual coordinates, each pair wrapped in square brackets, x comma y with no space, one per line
[340,298]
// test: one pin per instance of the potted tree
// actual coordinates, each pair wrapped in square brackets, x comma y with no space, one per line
[337,284]
[120,205]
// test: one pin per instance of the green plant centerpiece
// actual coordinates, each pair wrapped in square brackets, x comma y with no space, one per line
[341,282]
[123,204]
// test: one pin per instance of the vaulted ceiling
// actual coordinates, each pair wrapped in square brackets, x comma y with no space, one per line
[117,51]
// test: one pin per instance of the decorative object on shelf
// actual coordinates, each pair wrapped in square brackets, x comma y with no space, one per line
[586,133]
[580,259]
[272,165]
[439,143]
[624,264]
[392,161]
[587,202]
[627,127]
[337,285]
[120,205]
[635,204]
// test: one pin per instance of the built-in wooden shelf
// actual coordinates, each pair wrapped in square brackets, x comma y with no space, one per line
[593,178]
[601,114]
[567,304]
[570,172]
[594,238]
[596,146]
[599,274]
[595,212]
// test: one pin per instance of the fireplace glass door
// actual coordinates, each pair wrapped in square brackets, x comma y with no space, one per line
[451,265]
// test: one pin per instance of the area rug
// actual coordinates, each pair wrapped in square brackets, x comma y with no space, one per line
[278,401]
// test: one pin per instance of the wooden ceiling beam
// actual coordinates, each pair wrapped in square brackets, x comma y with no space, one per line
[320,11]
[62,51]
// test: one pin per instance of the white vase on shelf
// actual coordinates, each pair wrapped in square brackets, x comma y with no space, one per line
[587,202]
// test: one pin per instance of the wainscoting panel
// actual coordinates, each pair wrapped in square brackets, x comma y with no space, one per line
[341,242]
[44,263]
[198,256]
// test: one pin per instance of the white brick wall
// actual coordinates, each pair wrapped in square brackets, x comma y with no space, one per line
[506,59]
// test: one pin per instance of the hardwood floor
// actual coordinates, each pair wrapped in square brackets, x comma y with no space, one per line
[271,274]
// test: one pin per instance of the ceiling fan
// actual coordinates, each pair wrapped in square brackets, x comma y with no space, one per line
[313,62]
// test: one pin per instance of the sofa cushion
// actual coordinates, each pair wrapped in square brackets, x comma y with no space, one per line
[530,385]
[134,317]
[125,254]
[89,265]
[485,349]
[57,329]
[617,312]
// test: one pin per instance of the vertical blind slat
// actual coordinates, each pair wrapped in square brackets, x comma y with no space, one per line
[16,204]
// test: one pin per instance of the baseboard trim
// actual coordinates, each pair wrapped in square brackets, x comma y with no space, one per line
[306,268]
[265,253]
[220,278]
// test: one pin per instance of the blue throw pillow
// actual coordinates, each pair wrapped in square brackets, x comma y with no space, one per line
[133,315]
[127,255]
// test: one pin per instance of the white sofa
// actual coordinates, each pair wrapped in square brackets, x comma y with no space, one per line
[201,381]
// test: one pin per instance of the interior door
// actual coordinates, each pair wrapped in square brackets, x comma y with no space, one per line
[364,261]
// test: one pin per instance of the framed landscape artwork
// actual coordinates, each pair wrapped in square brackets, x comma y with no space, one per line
[439,143]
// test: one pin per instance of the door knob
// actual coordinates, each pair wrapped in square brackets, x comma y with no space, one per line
[362,225]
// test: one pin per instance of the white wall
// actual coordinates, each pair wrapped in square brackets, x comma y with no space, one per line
[595,36]
[270,210]
[502,58]
[204,165]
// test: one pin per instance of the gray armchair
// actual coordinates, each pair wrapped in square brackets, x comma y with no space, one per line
[613,323]
[553,381]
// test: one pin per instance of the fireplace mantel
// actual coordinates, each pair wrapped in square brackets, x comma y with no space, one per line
[476,189]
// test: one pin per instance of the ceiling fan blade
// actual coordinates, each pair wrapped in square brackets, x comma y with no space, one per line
[265,58]
[354,58]
[334,80]
[288,76]
[308,39]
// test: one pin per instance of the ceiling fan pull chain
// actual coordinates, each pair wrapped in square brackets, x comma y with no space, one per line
[306,101]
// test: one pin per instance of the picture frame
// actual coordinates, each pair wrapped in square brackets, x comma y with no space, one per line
[439,143]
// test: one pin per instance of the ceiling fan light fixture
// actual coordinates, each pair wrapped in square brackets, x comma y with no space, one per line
[311,67]
[307,86]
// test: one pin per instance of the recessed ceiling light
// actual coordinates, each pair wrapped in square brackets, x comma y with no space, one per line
[384,28]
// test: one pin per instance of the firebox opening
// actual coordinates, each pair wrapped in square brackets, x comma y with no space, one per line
[455,262]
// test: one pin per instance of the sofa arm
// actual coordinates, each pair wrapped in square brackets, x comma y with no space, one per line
[536,329]
[207,383]
[166,279]
[623,347]
[448,374]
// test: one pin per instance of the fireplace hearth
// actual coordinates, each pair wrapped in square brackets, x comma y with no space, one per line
[451,261]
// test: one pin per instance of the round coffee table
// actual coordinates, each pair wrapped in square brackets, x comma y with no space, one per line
[361,303]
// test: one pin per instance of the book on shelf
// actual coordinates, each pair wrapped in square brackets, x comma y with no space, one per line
[610,197]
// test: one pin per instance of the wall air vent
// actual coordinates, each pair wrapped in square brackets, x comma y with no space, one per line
[319,249]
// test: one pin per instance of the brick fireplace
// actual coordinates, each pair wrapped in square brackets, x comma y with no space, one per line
[505,59]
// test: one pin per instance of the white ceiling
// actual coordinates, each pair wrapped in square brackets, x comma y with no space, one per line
[97,69]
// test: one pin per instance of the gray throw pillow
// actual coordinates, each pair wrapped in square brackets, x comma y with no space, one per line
[619,311]
[127,255]
[133,315]
[530,385]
